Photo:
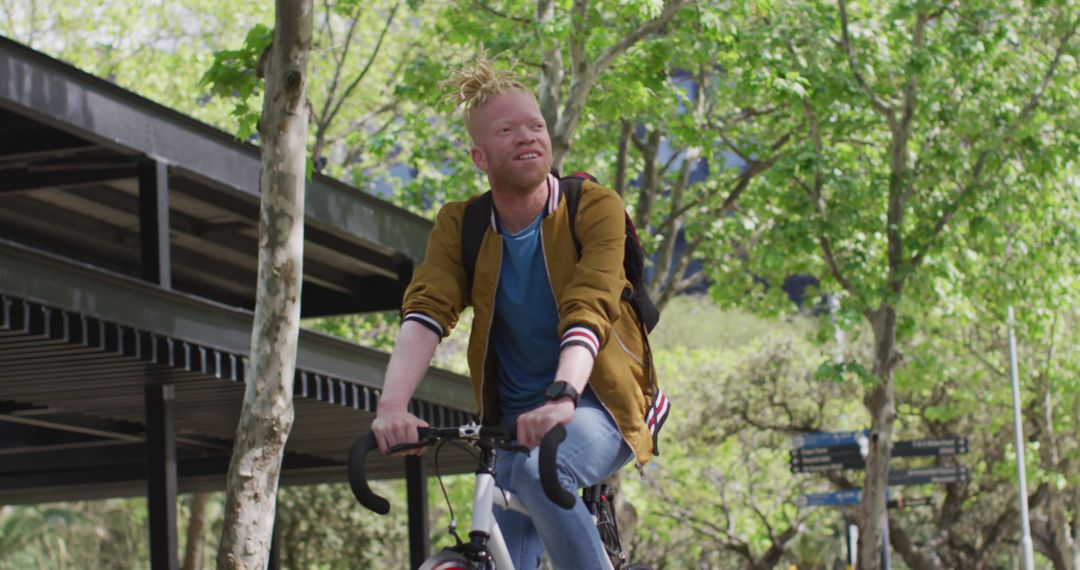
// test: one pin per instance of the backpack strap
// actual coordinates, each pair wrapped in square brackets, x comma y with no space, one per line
[473,226]
[570,187]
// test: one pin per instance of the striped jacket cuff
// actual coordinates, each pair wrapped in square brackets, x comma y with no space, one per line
[426,321]
[583,336]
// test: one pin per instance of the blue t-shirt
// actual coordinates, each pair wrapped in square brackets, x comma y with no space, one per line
[526,323]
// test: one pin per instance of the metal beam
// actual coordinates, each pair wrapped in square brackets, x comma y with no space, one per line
[27,180]
[419,528]
[161,476]
[154,243]
[101,427]
[371,294]
[31,274]
[274,562]
[61,96]
[46,149]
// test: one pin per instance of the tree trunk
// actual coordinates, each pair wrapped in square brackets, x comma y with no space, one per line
[1064,551]
[880,402]
[650,179]
[196,532]
[622,156]
[267,413]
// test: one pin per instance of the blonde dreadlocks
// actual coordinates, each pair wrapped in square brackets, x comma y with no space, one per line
[469,86]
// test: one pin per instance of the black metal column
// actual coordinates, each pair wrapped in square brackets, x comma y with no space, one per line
[419,530]
[274,563]
[161,476]
[154,222]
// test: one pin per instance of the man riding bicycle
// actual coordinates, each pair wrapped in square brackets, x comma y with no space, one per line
[553,341]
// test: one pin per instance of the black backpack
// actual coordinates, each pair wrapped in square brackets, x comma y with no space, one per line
[476,221]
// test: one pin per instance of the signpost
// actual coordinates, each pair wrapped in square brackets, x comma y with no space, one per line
[850,456]
[829,439]
[853,496]
[837,451]
[950,474]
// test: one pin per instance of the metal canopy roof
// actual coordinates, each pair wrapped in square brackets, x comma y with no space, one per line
[84,337]
[71,147]
[78,345]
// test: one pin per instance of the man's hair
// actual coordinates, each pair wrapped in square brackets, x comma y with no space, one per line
[470,85]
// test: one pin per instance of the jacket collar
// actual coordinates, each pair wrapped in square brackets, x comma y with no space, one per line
[554,195]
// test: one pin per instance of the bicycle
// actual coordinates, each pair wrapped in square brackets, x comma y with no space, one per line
[486,548]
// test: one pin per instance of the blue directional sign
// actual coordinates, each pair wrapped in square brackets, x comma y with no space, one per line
[829,439]
[835,499]
[854,496]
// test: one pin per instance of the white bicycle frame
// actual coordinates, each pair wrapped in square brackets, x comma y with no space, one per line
[486,496]
[485,529]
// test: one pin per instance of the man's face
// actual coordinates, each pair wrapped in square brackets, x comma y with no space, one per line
[510,141]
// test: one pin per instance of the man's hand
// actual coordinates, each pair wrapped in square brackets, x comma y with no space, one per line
[397,427]
[534,425]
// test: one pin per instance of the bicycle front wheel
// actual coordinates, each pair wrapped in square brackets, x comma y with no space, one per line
[453,560]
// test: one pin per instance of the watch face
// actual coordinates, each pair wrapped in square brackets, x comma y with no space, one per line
[560,389]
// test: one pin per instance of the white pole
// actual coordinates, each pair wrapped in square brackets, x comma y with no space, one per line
[1018,429]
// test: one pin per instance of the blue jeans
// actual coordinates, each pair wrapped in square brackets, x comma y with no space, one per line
[593,451]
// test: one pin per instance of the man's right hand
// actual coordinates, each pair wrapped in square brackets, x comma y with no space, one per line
[396,427]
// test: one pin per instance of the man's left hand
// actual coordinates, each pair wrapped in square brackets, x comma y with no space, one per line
[533,426]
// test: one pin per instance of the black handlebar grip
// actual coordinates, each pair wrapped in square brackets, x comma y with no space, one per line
[549,478]
[358,475]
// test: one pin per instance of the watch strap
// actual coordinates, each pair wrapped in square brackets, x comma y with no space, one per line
[560,389]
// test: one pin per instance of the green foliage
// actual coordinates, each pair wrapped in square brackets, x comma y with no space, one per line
[721,481]
[375,330]
[236,74]
[91,535]
[741,384]
[322,527]
[839,372]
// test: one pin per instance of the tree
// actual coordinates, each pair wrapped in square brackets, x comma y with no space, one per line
[267,413]
[720,495]
[888,160]
[957,377]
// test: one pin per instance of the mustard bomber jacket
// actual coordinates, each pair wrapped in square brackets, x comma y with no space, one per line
[588,294]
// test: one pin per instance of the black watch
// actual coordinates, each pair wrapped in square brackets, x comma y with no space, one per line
[560,389]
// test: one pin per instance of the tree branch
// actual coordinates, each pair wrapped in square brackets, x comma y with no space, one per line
[817,198]
[483,6]
[551,71]
[601,63]
[880,105]
[322,122]
[741,183]
[951,209]
[899,540]
[666,256]
[649,182]
[621,160]
[585,74]
[367,66]
[1048,76]
[670,161]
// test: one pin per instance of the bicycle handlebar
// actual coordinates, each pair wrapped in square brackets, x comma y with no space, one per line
[549,477]
[549,481]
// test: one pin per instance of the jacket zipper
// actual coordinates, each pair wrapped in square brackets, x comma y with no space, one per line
[543,253]
[626,349]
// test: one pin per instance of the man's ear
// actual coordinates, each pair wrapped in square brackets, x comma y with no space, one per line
[478,158]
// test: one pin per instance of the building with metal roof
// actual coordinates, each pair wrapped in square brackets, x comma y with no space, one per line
[128,249]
